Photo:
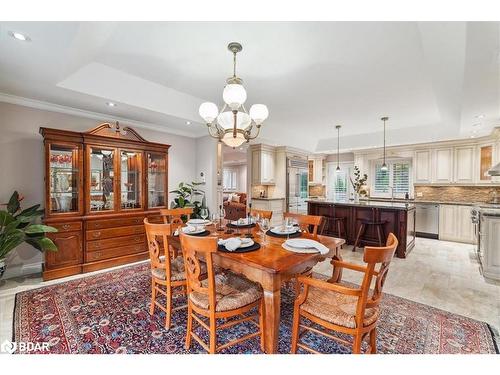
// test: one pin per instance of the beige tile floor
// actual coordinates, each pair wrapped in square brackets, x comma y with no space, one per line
[437,273]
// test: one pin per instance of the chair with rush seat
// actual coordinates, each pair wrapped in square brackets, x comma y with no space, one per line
[379,226]
[174,215]
[306,221]
[222,296]
[165,272]
[264,214]
[341,308]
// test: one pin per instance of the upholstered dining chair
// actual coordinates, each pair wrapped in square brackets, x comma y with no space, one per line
[306,221]
[166,273]
[222,296]
[264,214]
[346,309]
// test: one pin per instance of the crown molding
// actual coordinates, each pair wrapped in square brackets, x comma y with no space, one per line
[52,107]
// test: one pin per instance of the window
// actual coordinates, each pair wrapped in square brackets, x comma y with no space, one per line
[339,187]
[396,180]
[229,179]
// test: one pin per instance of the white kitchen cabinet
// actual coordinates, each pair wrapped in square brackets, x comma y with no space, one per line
[423,169]
[490,227]
[276,205]
[262,167]
[443,170]
[464,164]
[455,223]
[316,177]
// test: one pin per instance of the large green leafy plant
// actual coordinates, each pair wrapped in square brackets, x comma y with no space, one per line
[188,195]
[18,226]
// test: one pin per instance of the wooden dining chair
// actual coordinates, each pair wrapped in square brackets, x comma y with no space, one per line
[166,273]
[222,296]
[306,222]
[264,214]
[349,310]
[174,215]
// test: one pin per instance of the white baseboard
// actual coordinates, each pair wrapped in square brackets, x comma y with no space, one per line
[22,270]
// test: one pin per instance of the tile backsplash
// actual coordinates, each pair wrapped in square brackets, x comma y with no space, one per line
[456,193]
[317,190]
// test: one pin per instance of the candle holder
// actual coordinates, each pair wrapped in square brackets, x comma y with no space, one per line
[249,222]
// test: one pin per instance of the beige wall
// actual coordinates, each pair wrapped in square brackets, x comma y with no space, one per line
[22,167]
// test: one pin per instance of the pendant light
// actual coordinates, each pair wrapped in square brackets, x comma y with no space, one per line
[338,147]
[384,167]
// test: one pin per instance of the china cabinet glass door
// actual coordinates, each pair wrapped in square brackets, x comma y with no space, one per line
[130,179]
[157,177]
[64,176]
[102,179]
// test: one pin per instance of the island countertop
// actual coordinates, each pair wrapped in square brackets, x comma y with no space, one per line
[369,204]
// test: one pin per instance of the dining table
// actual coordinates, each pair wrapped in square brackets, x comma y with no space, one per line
[271,266]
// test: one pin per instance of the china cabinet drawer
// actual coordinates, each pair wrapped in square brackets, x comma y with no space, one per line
[112,223]
[115,252]
[68,227]
[115,242]
[92,235]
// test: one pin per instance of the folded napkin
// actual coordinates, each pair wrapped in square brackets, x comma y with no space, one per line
[243,221]
[304,242]
[231,244]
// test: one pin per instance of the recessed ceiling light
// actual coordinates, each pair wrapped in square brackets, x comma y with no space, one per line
[188,122]
[110,104]
[19,36]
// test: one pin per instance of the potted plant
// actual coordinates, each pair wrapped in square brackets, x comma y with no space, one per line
[359,183]
[18,226]
[188,195]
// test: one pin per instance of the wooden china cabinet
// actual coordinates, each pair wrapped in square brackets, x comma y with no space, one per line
[99,187]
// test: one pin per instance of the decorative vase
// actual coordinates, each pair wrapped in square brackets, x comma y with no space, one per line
[356,197]
[2,267]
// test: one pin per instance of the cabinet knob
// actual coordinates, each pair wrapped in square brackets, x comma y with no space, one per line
[97,245]
[97,225]
[137,239]
[137,221]
[66,226]
[96,234]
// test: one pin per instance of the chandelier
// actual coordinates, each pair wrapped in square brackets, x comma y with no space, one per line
[233,125]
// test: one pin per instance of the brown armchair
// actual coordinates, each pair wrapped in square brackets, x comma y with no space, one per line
[349,310]
[236,210]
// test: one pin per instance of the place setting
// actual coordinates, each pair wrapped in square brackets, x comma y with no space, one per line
[289,229]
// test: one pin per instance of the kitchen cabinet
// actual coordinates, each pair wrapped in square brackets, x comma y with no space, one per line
[276,205]
[455,223]
[263,166]
[464,164]
[490,243]
[316,171]
[443,160]
[423,163]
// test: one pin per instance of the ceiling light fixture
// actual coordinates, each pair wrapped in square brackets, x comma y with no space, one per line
[384,165]
[188,122]
[19,36]
[337,170]
[111,104]
[233,125]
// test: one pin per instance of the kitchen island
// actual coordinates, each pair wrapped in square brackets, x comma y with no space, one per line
[398,218]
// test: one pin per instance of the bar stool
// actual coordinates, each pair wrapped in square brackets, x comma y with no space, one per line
[379,225]
[339,224]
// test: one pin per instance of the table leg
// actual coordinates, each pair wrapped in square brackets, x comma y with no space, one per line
[337,271]
[272,300]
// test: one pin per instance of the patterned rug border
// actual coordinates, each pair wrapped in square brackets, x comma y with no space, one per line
[494,334]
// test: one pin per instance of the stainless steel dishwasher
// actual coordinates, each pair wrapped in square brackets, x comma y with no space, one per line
[427,220]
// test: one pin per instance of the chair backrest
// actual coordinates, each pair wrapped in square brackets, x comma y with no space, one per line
[262,213]
[374,256]
[157,248]
[305,221]
[193,248]
[174,215]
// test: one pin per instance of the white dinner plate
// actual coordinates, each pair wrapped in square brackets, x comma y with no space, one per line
[300,243]
[281,230]
[196,231]
[246,242]
[198,222]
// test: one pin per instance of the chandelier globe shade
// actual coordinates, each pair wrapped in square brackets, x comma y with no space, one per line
[232,124]
[208,111]
[259,113]
[234,95]
[232,141]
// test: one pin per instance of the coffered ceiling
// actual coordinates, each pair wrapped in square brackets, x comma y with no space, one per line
[435,80]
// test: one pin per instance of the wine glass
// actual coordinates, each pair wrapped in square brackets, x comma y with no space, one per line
[288,226]
[204,213]
[222,215]
[264,227]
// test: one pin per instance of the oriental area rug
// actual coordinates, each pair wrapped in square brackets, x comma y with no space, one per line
[109,313]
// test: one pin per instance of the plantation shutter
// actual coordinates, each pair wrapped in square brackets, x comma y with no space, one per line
[340,186]
[381,180]
[401,178]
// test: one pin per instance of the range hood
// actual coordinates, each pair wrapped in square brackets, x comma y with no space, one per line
[495,170]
